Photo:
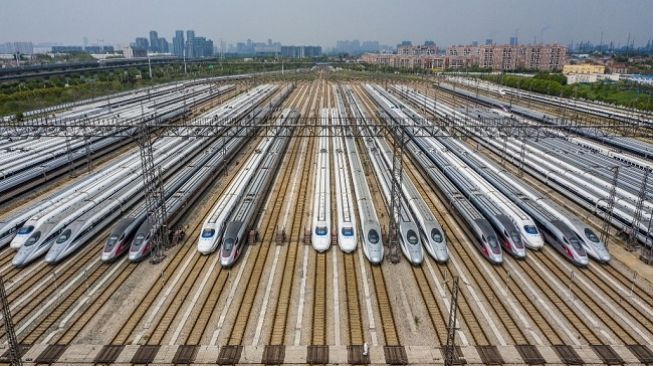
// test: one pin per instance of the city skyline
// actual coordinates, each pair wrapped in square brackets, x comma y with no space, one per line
[387,22]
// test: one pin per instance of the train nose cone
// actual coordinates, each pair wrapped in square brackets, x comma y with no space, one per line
[106,256]
[205,247]
[417,258]
[134,256]
[17,261]
[496,258]
[226,261]
[442,255]
[52,255]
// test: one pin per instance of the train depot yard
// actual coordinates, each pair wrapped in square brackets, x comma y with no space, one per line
[323,216]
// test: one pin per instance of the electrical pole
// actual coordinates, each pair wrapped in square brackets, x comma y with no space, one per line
[396,196]
[605,232]
[14,351]
[450,347]
[149,65]
[634,227]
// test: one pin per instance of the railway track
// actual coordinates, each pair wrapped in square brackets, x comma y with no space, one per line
[38,291]
[276,198]
[610,318]
[192,331]
[125,333]
[188,280]
[436,316]
[384,305]
[278,333]
[319,329]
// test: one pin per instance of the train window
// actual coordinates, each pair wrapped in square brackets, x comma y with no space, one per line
[139,240]
[228,244]
[575,243]
[111,242]
[412,237]
[25,230]
[321,230]
[33,239]
[516,239]
[373,236]
[63,237]
[531,229]
[208,233]
[347,231]
[591,236]
[436,235]
[492,241]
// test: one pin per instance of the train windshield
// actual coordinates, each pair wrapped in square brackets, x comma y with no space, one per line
[33,239]
[138,240]
[516,239]
[412,237]
[321,230]
[373,236]
[436,235]
[113,239]
[25,230]
[228,244]
[591,236]
[347,231]
[63,237]
[575,243]
[530,229]
[208,233]
[492,242]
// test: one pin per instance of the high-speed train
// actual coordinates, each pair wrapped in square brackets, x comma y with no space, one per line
[518,191]
[122,235]
[244,218]
[215,225]
[409,234]
[347,237]
[527,228]
[550,217]
[509,235]
[432,234]
[87,193]
[86,219]
[372,242]
[487,241]
[198,175]
[514,226]
[321,233]
[48,227]
[87,226]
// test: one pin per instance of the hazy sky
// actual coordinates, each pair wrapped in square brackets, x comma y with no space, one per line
[324,22]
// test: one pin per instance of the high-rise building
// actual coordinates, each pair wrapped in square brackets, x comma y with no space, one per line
[301,51]
[514,41]
[190,41]
[178,44]
[154,41]
[26,48]
[489,42]
[141,43]
[162,45]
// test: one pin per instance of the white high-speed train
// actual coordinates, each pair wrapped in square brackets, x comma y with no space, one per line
[321,235]
[344,202]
